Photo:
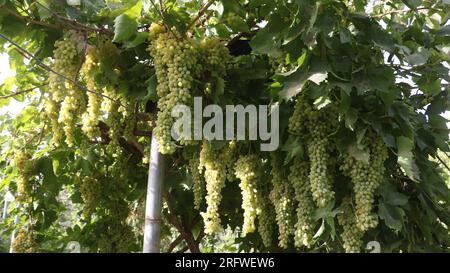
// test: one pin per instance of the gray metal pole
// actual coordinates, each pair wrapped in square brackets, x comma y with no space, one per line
[13,235]
[152,228]
[5,209]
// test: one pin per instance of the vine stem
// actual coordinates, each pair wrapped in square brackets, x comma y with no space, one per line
[442,162]
[74,23]
[13,94]
[30,56]
[161,13]
[200,14]
[400,11]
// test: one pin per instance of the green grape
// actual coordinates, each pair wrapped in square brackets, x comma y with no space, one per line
[64,97]
[366,177]
[229,156]
[214,55]
[248,171]
[198,180]
[90,118]
[24,242]
[316,126]
[114,122]
[321,187]
[52,109]
[282,197]
[212,165]
[304,226]
[351,235]
[115,236]
[155,29]
[130,120]
[176,63]
[266,221]
[299,119]
[67,117]
[24,165]
[91,193]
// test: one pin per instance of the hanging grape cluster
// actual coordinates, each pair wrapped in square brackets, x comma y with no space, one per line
[352,234]
[366,177]
[65,100]
[248,171]
[317,125]
[266,219]
[115,236]
[24,165]
[198,181]
[91,117]
[214,56]
[91,192]
[282,197]
[321,186]
[213,166]
[25,242]
[298,177]
[176,64]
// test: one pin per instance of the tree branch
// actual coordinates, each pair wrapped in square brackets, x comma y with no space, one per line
[175,243]
[442,162]
[181,226]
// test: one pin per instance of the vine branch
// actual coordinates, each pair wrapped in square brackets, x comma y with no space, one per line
[442,162]
[397,11]
[13,94]
[75,24]
[161,13]
[200,13]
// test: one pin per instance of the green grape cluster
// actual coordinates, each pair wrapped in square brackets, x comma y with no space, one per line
[230,157]
[316,126]
[299,119]
[64,97]
[248,170]
[24,242]
[282,197]
[319,178]
[214,55]
[91,193]
[129,119]
[114,122]
[115,237]
[198,181]
[366,177]
[213,166]
[266,221]
[304,227]
[176,63]
[24,165]
[351,235]
[90,118]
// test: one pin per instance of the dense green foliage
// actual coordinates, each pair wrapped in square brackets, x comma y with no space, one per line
[361,87]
